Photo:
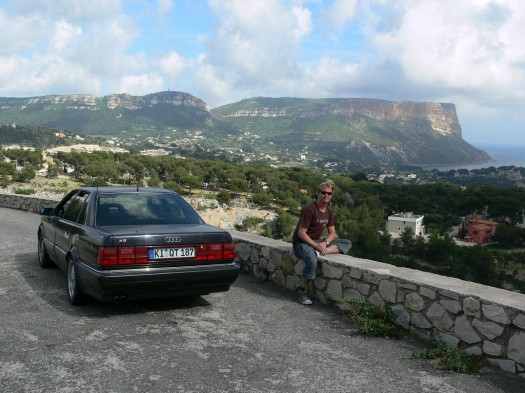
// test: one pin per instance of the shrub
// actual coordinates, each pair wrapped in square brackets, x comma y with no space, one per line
[451,358]
[249,223]
[223,196]
[370,319]
[24,191]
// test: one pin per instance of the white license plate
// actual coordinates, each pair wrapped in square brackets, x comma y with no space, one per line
[171,253]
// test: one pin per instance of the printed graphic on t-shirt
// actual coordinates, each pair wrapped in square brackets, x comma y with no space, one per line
[322,221]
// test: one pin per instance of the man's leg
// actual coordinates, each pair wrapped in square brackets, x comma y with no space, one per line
[339,246]
[309,257]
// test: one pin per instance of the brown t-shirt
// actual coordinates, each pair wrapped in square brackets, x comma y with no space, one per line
[314,220]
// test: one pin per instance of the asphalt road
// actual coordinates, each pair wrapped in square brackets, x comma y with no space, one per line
[254,338]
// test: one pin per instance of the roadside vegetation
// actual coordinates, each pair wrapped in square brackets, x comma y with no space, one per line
[360,205]
[449,358]
[372,320]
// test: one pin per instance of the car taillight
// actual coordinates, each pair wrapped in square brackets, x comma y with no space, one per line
[229,251]
[109,256]
[112,256]
[215,251]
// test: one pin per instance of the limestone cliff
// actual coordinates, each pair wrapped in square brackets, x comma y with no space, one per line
[362,130]
[442,117]
[113,101]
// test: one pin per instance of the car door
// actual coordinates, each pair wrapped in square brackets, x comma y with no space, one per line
[70,225]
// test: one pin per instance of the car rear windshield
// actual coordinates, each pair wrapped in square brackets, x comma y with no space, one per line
[144,209]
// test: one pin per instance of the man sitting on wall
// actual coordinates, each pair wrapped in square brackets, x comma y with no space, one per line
[308,240]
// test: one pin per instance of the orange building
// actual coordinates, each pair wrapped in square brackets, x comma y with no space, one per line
[480,231]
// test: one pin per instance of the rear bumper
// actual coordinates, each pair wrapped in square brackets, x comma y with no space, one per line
[157,282]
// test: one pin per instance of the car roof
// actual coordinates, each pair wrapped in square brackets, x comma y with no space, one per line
[119,189]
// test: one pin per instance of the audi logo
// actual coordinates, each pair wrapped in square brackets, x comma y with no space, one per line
[173,239]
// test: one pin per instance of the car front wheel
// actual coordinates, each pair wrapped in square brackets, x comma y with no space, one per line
[74,292]
[43,257]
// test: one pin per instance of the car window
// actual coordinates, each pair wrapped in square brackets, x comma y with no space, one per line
[75,207]
[65,205]
[81,219]
[144,209]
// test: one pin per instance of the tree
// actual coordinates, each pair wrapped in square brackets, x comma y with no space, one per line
[262,199]
[440,250]
[223,196]
[54,169]
[509,236]
[6,168]
[27,173]
[284,225]
[135,169]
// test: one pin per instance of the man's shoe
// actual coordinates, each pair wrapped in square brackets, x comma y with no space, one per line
[303,297]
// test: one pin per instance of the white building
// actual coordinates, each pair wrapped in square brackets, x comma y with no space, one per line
[397,223]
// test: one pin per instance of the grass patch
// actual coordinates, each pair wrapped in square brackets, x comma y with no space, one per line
[24,191]
[450,358]
[370,319]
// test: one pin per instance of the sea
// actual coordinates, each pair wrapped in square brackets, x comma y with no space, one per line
[502,156]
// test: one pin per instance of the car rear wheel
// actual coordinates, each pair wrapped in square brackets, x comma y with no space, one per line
[74,292]
[43,257]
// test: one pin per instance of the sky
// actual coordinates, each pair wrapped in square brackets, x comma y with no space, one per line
[466,52]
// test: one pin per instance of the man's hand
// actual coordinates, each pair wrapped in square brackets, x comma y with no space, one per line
[321,247]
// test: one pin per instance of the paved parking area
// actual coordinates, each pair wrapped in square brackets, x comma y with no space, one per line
[254,338]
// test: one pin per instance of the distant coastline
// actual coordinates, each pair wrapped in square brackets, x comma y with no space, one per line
[502,155]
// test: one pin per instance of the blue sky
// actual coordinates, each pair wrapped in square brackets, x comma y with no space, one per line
[466,52]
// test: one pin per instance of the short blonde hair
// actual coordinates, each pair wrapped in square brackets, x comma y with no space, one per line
[326,183]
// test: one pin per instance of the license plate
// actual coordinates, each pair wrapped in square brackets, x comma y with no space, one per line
[171,253]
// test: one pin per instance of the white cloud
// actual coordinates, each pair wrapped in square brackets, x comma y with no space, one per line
[338,14]
[469,46]
[172,65]
[64,34]
[141,84]
[163,7]
[254,49]
[76,11]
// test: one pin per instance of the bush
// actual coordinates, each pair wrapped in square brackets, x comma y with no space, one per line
[96,182]
[24,191]
[249,223]
[5,181]
[172,185]
[261,199]
[223,196]
[370,319]
[451,358]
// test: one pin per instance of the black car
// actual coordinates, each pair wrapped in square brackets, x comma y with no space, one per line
[118,243]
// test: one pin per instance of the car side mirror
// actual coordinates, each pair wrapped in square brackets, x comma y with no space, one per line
[45,211]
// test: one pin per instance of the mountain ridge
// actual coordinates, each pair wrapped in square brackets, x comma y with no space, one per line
[360,130]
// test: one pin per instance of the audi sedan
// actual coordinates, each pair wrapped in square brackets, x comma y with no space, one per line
[120,243]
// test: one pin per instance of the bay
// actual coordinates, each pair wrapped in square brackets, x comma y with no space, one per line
[502,155]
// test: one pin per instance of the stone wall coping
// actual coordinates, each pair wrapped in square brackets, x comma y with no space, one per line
[484,293]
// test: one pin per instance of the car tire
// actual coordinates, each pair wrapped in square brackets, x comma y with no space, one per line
[74,293]
[43,257]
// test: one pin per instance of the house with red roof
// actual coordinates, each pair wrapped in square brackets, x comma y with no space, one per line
[480,231]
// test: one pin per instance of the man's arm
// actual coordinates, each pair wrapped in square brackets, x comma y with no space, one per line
[301,234]
[331,234]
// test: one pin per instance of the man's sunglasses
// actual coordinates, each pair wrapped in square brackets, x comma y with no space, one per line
[326,192]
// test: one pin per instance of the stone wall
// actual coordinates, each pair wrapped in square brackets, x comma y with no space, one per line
[27,203]
[481,320]
[474,317]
